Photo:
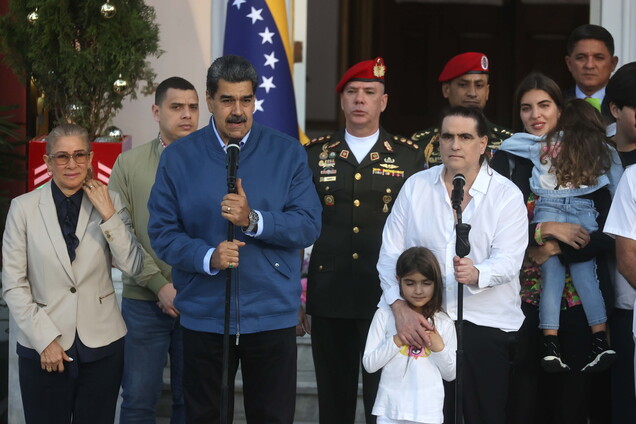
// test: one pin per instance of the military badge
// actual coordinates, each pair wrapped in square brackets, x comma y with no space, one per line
[386,199]
[389,166]
[326,163]
[344,154]
[388,147]
[329,200]
[484,63]
[379,69]
[375,156]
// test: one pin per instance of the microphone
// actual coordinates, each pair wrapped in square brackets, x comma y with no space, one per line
[457,195]
[462,245]
[231,164]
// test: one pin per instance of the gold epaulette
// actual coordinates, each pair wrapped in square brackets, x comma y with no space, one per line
[406,142]
[318,140]
[424,134]
[504,132]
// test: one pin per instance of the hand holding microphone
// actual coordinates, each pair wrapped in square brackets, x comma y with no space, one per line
[234,206]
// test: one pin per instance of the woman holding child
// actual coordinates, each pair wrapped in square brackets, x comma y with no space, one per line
[567,345]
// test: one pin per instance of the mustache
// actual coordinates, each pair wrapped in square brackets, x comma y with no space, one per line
[236,119]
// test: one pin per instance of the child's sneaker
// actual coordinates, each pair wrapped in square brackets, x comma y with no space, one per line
[551,361]
[601,356]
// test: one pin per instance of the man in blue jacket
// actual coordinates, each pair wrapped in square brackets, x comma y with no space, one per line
[276,211]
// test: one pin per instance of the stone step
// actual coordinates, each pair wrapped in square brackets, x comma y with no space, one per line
[306,392]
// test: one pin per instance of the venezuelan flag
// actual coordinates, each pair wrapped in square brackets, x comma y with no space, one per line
[257,30]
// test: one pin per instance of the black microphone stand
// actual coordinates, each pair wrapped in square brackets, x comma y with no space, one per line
[232,166]
[462,248]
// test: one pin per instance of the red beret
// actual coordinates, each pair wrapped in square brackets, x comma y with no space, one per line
[368,70]
[465,63]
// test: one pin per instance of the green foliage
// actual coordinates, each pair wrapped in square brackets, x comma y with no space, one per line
[11,162]
[74,54]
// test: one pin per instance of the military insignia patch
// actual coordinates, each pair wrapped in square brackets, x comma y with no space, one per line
[388,172]
[329,200]
[375,156]
[344,154]
[326,163]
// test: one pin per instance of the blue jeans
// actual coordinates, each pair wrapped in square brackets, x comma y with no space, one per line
[572,210]
[151,336]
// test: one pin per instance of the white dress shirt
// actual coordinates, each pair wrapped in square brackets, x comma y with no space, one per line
[423,216]
[621,221]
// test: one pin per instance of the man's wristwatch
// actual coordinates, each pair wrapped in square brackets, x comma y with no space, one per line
[253,225]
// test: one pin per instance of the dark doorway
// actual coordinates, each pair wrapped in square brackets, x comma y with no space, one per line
[416,39]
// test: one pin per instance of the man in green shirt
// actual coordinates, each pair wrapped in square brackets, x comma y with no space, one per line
[147,305]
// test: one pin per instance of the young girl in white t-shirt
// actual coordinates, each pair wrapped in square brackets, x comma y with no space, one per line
[411,389]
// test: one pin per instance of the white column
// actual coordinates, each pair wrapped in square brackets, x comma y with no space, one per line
[618,17]
[298,31]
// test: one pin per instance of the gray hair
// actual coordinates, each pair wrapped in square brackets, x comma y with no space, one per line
[230,68]
[66,130]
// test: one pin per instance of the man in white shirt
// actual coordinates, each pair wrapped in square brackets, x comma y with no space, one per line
[621,223]
[423,216]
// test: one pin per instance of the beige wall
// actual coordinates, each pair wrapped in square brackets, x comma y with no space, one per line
[185,35]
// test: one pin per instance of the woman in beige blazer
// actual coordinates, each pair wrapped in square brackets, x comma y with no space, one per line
[58,247]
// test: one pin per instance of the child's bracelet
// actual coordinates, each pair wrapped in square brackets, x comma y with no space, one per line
[537,234]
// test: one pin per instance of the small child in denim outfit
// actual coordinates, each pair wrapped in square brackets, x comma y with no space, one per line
[572,164]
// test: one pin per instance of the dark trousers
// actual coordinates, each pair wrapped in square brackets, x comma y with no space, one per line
[268,366]
[556,398]
[337,346]
[488,354]
[622,372]
[53,398]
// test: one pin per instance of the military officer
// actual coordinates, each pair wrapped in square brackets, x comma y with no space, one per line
[464,83]
[358,173]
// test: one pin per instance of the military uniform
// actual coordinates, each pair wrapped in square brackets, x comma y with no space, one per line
[356,199]
[429,141]
[343,287]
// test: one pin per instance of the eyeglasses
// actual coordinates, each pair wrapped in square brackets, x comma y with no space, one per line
[63,158]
